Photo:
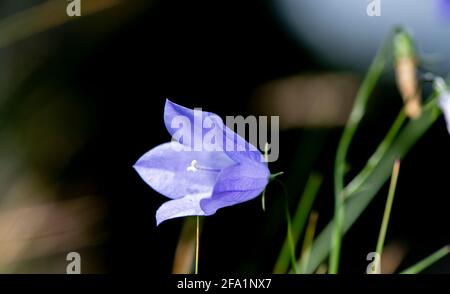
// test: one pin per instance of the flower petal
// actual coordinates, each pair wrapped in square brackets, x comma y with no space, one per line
[168,170]
[444,9]
[444,103]
[185,125]
[232,144]
[237,148]
[236,184]
[188,205]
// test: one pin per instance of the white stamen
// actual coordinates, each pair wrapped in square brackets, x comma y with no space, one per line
[193,166]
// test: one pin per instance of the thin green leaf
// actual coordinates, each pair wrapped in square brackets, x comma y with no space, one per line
[299,221]
[376,157]
[307,242]
[197,243]
[388,208]
[291,240]
[359,108]
[407,137]
[428,261]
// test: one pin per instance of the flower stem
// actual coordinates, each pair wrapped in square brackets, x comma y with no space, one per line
[263,200]
[299,221]
[263,197]
[291,239]
[356,204]
[359,108]
[290,235]
[376,157]
[388,208]
[197,241]
[307,242]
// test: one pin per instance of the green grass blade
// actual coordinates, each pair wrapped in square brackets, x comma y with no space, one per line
[357,182]
[388,208]
[421,265]
[299,221]
[291,240]
[387,213]
[307,242]
[359,108]
[407,137]
[197,243]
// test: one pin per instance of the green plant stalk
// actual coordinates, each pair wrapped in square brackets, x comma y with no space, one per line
[376,157]
[421,265]
[263,197]
[197,244]
[263,200]
[359,199]
[307,242]
[359,108]
[291,240]
[299,221]
[388,208]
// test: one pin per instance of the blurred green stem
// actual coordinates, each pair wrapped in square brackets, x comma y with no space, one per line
[420,266]
[388,208]
[42,17]
[358,181]
[359,108]
[291,240]
[263,197]
[299,221]
[356,203]
[197,241]
[263,200]
[307,242]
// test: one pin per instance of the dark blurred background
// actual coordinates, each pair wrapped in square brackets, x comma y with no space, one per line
[82,99]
